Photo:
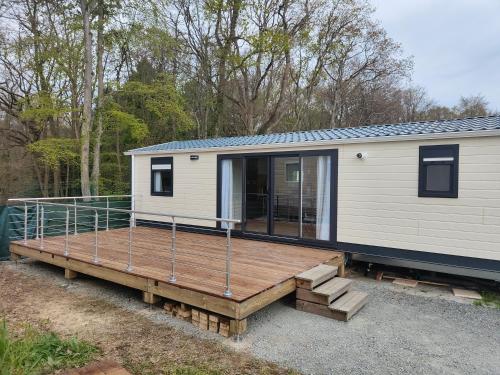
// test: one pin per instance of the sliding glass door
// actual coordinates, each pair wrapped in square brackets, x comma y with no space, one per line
[256,194]
[279,195]
[286,196]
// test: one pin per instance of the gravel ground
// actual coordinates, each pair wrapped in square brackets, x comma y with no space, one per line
[400,331]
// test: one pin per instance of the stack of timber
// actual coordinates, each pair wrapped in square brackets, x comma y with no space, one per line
[205,320]
[320,292]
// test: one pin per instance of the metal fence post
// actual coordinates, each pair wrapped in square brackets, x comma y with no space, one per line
[229,248]
[76,229]
[66,238]
[130,226]
[107,213]
[173,279]
[42,220]
[96,225]
[37,220]
[25,223]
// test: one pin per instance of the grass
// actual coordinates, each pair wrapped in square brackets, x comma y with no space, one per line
[34,352]
[489,299]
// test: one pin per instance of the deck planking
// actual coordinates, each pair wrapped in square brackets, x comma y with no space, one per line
[200,258]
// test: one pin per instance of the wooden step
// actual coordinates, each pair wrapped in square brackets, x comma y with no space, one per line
[327,292]
[316,308]
[349,304]
[315,276]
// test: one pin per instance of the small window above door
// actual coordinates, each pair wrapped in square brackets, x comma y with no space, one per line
[438,171]
[162,178]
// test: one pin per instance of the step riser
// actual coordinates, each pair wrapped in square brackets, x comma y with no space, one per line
[315,276]
[322,310]
[308,295]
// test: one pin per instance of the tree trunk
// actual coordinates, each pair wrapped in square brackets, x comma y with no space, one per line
[100,94]
[87,99]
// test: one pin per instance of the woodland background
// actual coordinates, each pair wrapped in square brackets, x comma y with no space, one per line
[83,81]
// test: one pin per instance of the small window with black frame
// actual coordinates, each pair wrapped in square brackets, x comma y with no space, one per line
[162,180]
[438,171]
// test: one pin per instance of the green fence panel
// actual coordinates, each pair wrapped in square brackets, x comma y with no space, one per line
[12,225]
[4,233]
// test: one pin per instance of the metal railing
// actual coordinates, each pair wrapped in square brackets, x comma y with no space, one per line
[91,219]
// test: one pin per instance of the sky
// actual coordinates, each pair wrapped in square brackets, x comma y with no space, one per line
[455,45]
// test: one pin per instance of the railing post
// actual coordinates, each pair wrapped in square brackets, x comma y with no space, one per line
[96,226]
[37,220]
[107,213]
[173,279]
[25,223]
[66,238]
[130,226]
[42,223]
[75,232]
[229,249]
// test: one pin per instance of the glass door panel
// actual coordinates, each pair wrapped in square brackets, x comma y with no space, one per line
[286,196]
[257,194]
[315,216]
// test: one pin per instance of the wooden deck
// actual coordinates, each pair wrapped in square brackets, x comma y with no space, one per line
[262,272]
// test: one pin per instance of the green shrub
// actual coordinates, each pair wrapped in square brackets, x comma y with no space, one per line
[35,352]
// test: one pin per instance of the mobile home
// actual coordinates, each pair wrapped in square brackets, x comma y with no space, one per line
[424,194]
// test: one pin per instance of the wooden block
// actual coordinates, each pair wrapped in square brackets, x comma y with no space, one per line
[379,276]
[203,324]
[70,274]
[237,327]
[406,282]
[168,306]
[213,318]
[195,314]
[203,316]
[150,298]
[224,328]
[464,293]
[213,326]
[315,276]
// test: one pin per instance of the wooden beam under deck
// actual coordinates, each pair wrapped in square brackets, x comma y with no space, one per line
[262,272]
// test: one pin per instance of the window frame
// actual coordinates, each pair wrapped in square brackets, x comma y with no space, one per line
[438,152]
[287,163]
[162,160]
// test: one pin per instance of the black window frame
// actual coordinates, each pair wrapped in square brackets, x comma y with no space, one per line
[438,151]
[163,160]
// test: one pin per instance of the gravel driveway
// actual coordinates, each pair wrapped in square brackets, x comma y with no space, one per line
[400,331]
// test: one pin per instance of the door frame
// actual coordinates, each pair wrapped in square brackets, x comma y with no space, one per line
[333,153]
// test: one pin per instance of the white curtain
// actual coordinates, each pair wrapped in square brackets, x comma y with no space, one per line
[323,198]
[227,192]
[158,187]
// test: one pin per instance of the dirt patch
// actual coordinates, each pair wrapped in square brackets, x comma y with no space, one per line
[142,346]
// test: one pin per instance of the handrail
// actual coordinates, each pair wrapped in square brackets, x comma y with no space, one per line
[122,210]
[64,198]
[40,211]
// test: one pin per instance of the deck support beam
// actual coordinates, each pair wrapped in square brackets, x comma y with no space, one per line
[150,298]
[237,327]
[70,274]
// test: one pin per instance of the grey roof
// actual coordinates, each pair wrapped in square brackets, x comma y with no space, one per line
[472,124]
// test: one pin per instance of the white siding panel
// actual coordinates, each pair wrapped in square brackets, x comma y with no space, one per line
[381,195]
[195,184]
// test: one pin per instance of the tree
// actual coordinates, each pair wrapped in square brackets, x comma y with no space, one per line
[474,105]
[86,8]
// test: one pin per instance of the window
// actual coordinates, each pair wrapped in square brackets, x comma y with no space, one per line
[162,181]
[438,171]
[292,172]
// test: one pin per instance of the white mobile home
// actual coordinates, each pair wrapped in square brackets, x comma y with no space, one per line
[424,194]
